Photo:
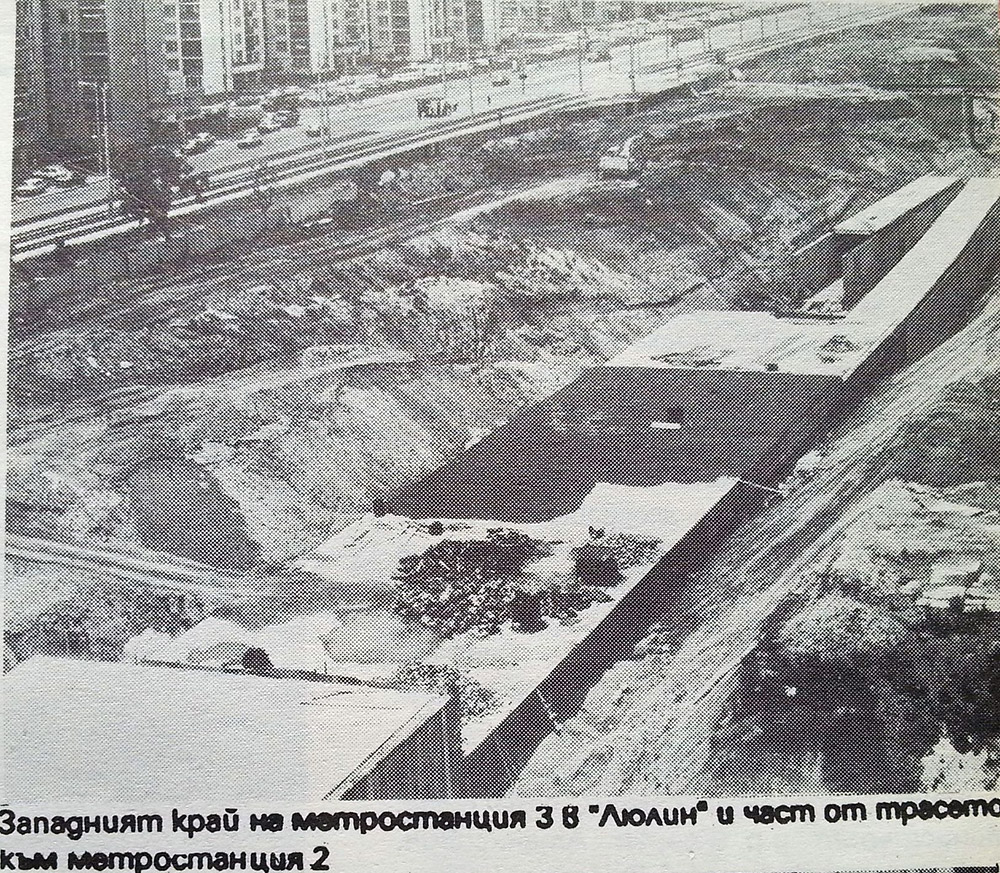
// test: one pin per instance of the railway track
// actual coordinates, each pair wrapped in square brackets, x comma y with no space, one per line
[276,173]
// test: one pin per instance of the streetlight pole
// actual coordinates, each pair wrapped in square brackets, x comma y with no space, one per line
[468,59]
[631,56]
[101,101]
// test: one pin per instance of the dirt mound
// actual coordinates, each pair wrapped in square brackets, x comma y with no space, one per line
[955,441]
[837,627]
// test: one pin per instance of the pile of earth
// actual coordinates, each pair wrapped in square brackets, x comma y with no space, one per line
[273,453]
[948,45]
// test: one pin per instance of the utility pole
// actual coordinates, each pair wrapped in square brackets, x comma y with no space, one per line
[440,27]
[669,35]
[521,51]
[324,116]
[631,56]
[468,59]
[103,127]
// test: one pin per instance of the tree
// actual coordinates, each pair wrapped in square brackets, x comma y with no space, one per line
[147,179]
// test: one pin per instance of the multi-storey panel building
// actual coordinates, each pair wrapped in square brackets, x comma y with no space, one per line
[136,76]
[289,39]
[306,37]
[68,53]
[30,106]
[214,47]
[444,29]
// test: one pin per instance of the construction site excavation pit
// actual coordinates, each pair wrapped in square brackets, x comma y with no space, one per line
[483,457]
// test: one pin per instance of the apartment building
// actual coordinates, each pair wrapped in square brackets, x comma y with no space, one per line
[67,52]
[30,106]
[305,37]
[289,44]
[213,48]
[136,71]
[442,29]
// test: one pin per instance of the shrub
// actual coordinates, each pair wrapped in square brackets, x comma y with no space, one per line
[474,698]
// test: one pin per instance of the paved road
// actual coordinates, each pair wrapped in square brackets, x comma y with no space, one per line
[396,111]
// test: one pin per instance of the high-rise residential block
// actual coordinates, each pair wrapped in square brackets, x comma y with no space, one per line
[213,48]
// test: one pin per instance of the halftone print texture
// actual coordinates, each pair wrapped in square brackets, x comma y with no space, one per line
[587,403]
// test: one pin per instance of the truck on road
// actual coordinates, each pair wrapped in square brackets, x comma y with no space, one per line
[434,107]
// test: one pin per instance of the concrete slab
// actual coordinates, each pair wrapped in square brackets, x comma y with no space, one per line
[896,205]
[748,341]
[512,664]
[113,732]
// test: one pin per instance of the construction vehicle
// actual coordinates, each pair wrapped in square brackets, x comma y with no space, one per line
[598,52]
[625,161]
[434,107]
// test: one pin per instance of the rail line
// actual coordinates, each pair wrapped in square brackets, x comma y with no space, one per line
[281,171]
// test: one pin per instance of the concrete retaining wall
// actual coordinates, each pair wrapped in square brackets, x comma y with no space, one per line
[960,262]
[495,763]
[816,265]
[424,764]
[868,262]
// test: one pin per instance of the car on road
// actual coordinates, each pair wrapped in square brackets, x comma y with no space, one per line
[316,130]
[250,139]
[191,183]
[57,174]
[501,79]
[194,146]
[269,123]
[31,187]
[287,117]
[205,137]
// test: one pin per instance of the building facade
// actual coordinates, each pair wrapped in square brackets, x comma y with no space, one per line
[30,105]
[445,30]
[136,71]
[68,53]
[213,48]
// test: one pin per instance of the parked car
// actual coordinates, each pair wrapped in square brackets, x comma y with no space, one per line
[283,117]
[31,187]
[191,183]
[57,174]
[314,130]
[53,172]
[250,139]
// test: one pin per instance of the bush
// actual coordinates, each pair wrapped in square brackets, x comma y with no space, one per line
[474,699]
[596,564]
